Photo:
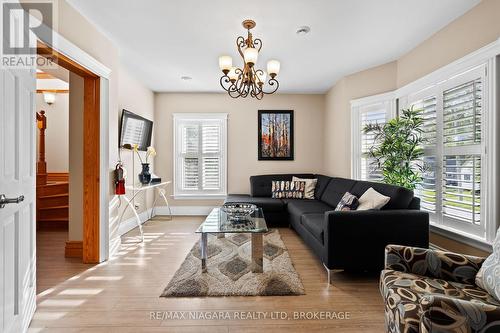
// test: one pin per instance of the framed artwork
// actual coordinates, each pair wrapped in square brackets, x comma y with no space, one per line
[275,137]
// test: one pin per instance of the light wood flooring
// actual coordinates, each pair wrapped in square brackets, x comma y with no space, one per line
[120,295]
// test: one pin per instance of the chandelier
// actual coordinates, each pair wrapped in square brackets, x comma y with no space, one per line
[241,82]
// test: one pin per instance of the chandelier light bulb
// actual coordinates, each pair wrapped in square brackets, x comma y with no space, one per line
[225,63]
[273,67]
[250,54]
[232,74]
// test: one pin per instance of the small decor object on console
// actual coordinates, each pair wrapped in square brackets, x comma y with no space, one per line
[238,211]
[310,186]
[288,189]
[348,202]
[275,136]
[145,175]
[371,199]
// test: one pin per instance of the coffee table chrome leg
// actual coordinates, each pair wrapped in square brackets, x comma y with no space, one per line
[257,253]
[203,252]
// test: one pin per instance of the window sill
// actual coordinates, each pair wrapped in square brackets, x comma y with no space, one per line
[461,237]
[200,196]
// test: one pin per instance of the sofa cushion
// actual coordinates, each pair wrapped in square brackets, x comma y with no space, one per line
[314,223]
[321,185]
[371,199]
[300,207]
[335,189]
[310,186]
[282,189]
[267,204]
[400,196]
[403,292]
[260,186]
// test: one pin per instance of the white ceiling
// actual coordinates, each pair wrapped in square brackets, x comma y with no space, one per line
[160,41]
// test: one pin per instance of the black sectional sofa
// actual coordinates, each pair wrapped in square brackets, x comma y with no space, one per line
[350,240]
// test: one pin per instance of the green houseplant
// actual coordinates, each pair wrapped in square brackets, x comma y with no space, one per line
[398,148]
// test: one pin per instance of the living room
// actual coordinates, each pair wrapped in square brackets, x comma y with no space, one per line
[269,166]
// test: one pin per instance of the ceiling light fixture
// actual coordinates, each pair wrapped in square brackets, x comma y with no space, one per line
[303,30]
[241,82]
[186,78]
[49,97]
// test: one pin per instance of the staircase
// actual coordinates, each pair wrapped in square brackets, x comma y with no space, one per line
[53,205]
[52,190]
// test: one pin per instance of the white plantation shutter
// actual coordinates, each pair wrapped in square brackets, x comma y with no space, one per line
[369,167]
[200,152]
[452,186]
[426,190]
[372,110]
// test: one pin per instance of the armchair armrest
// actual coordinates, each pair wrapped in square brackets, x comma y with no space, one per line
[442,313]
[433,263]
[358,238]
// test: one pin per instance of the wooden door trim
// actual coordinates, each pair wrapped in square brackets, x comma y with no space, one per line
[91,151]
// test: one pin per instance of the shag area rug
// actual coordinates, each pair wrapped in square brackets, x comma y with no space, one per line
[229,270]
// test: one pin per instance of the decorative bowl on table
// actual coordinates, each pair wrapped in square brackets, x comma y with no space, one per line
[238,211]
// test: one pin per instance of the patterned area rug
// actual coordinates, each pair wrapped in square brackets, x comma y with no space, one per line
[229,271]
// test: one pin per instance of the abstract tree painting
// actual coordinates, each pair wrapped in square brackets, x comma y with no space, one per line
[275,135]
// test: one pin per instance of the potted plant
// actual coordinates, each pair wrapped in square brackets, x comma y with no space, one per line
[398,148]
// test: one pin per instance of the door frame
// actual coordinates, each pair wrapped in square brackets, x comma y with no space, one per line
[95,142]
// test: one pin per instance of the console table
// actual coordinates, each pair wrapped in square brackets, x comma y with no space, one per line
[136,190]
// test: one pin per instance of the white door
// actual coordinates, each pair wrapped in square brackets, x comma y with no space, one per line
[17,178]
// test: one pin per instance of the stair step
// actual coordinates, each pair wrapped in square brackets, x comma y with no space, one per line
[54,223]
[53,200]
[57,212]
[53,189]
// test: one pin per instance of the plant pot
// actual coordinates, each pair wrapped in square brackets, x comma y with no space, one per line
[145,176]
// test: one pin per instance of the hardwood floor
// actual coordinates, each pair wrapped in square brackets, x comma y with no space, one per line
[122,294]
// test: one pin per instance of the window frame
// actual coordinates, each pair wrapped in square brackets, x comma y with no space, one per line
[437,218]
[178,120]
[358,107]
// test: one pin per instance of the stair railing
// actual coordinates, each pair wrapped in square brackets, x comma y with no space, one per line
[41,165]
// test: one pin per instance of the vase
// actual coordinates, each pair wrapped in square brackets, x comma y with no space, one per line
[145,176]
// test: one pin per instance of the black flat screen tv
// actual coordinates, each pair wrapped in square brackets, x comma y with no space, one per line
[134,130]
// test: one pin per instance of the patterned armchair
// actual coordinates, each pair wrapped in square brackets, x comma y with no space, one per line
[431,291]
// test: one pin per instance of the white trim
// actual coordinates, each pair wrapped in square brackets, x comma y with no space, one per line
[70,50]
[459,236]
[390,95]
[184,210]
[195,115]
[131,222]
[200,196]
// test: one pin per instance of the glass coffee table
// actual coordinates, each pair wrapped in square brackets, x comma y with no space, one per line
[218,222]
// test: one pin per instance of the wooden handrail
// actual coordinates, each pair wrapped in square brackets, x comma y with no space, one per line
[41,165]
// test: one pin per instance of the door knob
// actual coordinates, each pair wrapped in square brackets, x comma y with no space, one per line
[4,200]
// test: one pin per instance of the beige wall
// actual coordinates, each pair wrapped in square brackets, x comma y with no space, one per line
[56,135]
[242,134]
[337,122]
[475,29]
[74,27]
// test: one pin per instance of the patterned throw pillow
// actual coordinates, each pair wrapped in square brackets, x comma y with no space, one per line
[348,202]
[310,186]
[287,189]
[488,277]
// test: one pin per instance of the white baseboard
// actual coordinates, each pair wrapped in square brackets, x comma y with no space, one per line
[131,222]
[184,210]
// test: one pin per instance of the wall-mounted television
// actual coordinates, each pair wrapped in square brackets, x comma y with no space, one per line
[134,130]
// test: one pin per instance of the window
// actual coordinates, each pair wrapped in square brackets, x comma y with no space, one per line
[377,109]
[200,155]
[452,187]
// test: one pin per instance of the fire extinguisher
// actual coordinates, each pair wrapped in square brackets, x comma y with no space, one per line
[120,175]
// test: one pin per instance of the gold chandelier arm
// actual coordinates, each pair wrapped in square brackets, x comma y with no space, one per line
[273,83]
[240,44]
[257,43]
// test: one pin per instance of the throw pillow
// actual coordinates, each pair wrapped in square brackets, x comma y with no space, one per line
[371,199]
[309,188]
[488,277]
[287,189]
[348,202]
